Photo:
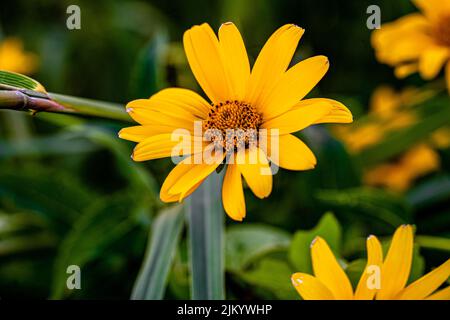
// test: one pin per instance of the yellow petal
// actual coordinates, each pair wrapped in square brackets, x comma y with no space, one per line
[140,113]
[180,170]
[294,85]
[310,288]
[300,118]
[167,145]
[406,69]
[196,174]
[174,107]
[139,133]
[404,49]
[397,265]
[339,112]
[411,23]
[290,153]
[236,61]
[433,8]
[233,193]
[432,60]
[206,61]
[328,271]
[374,258]
[256,171]
[272,62]
[443,294]
[175,100]
[402,40]
[427,284]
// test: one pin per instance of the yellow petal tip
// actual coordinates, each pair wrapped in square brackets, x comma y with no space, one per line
[296,279]
[315,240]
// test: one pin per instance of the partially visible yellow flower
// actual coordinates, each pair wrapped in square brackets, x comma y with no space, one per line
[418,41]
[400,175]
[14,58]
[387,114]
[382,279]
[390,111]
[268,96]
[441,138]
[357,139]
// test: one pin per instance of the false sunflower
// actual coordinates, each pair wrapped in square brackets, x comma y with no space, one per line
[14,58]
[330,281]
[400,174]
[268,96]
[418,42]
[387,114]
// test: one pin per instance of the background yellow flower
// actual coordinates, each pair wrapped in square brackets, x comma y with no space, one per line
[417,42]
[14,58]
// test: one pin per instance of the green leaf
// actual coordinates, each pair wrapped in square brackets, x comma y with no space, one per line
[417,265]
[65,143]
[165,233]
[429,192]
[337,168]
[299,252]
[246,243]
[27,243]
[55,195]
[19,81]
[24,232]
[205,217]
[435,114]
[140,178]
[354,271]
[436,243]
[179,280]
[367,203]
[148,74]
[273,276]
[103,223]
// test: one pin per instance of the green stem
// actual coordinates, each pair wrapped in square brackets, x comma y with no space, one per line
[205,217]
[24,100]
[91,107]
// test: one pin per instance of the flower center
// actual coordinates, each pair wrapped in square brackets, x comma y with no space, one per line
[442,31]
[232,125]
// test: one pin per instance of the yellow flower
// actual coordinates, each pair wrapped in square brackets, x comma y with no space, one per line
[13,58]
[390,111]
[387,113]
[381,280]
[441,138]
[417,42]
[267,97]
[399,176]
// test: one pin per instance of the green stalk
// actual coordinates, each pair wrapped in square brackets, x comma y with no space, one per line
[206,240]
[91,107]
[24,100]
[21,93]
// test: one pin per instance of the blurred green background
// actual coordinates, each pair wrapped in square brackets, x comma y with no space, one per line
[70,194]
